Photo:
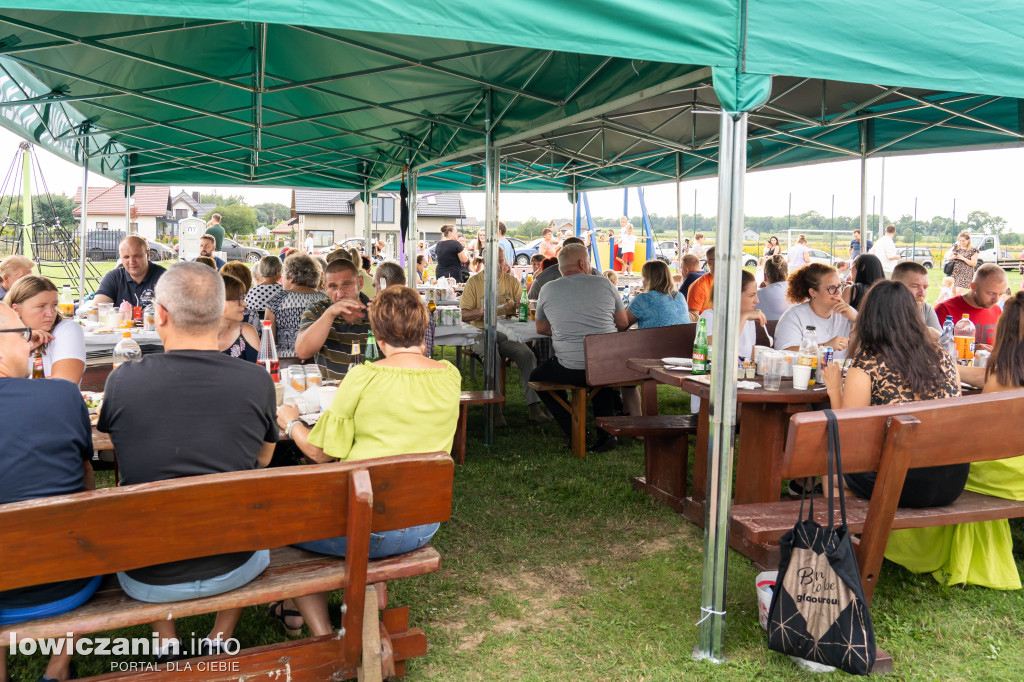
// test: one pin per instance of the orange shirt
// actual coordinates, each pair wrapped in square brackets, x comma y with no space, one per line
[699,295]
[548,249]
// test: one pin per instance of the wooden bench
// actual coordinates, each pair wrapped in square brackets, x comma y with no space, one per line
[44,540]
[889,440]
[466,399]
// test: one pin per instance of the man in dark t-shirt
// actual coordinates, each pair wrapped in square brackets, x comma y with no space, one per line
[157,412]
[134,279]
[691,272]
[214,228]
[45,450]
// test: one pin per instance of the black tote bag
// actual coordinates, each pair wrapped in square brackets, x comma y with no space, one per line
[818,611]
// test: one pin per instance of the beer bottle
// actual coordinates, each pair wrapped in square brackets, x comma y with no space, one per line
[354,361]
[37,365]
[700,348]
[524,307]
[372,354]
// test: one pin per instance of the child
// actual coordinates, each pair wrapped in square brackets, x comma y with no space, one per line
[946,291]
[612,276]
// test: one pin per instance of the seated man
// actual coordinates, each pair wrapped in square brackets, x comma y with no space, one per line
[914,276]
[159,413]
[509,294]
[134,279]
[47,453]
[551,274]
[207,247]
[691,272]
[698,296]
[979,304]
[329,329]
[13,268]
[569,309]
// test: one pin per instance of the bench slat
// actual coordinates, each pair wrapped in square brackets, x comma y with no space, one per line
[653,425]
[480,397]
[292,573]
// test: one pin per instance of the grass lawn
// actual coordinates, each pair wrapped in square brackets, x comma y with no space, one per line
[554,568]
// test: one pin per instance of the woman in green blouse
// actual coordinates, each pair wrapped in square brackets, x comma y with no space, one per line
[404,403]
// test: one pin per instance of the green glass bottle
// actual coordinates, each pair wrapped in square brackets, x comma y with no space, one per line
[372,354]
[524,307]
[700,348]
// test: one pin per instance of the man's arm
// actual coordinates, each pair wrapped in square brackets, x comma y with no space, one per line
[544,327]
[311,338]
[621,320]
[106,290]
[266,454]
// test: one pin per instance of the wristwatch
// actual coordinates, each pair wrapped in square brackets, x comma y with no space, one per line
[291,425]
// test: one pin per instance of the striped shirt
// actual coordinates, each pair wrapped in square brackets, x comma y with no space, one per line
[336,354]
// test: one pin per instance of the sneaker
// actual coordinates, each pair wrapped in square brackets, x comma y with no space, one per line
[171,652]
[796,488]
[605,444]
[538,415]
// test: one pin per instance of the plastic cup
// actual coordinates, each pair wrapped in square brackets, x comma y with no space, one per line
[773,364]
[801,376]
[327,396]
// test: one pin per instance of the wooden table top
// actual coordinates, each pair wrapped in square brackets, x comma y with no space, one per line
[655,369]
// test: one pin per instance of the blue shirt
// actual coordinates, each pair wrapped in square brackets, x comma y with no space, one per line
[684,288]
[510,251]
[119,286]
[655,309]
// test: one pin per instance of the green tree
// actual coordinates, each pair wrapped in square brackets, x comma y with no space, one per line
[220,200]
[270,214]
[980,221]
[235,218]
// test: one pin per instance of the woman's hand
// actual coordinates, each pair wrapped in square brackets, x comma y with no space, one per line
[755,315]
[39,338]
[838,343]
[845,309]
[832,375]
[287,414]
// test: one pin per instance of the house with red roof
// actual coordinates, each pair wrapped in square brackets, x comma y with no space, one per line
[150,210]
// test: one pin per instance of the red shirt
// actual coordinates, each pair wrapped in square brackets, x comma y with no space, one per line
[984,319]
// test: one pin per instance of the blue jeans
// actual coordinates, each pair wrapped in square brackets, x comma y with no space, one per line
[54,608]
[388,543]
[196,589]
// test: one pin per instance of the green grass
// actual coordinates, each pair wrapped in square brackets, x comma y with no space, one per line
[554,568]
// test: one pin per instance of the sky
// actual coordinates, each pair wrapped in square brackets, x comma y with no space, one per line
[976,180]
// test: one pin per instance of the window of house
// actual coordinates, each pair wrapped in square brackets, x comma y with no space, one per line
[180,213]
[102,226]
[321,238]
[383,210]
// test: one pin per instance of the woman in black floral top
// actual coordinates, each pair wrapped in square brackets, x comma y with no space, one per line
[894,361]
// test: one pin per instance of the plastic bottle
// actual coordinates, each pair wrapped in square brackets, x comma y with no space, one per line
[66,303]
[946,340]
[700,348]
[268,353]
[126,350]
[372,354]
[809,351]
[963,334]
[524,307]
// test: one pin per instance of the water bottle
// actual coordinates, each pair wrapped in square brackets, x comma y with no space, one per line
[126,350]
[809,351]
[946,341]
[963,334]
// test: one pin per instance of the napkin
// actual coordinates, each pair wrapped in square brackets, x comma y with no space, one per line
[747,384]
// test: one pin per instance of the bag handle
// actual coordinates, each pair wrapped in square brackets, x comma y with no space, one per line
[834,455]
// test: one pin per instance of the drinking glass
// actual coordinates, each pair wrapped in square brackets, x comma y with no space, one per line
[773,362]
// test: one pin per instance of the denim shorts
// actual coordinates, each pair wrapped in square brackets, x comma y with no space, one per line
[388,543]
[54,608]
[197,589]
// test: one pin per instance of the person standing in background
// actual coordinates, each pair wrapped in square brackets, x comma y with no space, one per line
[214,227]
[886,252]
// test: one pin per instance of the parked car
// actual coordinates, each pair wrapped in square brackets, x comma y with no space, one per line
[814,255]
[236,251]
[103,245]
[920,255]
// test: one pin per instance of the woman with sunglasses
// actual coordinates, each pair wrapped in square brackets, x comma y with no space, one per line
[236,338]
[816,293]
[62,342]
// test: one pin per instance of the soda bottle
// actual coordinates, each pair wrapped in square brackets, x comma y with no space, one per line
[37,365]
[66,303]
[268,353]
[524,307]
[700,348]
[372,354]
[963,334]
[946,341]
[354,362]
[126,350]
[809,351]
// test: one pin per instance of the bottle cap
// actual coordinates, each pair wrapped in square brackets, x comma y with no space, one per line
[126,334]
[810,328]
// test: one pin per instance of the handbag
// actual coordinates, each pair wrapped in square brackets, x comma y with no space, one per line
[948,268]
[818,611]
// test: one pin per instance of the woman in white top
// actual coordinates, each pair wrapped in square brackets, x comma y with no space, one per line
[798,254]
[749,315]
[34,299]
[772,296]
[818,294]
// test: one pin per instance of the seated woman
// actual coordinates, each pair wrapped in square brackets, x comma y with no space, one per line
[895,361]
[267,275]
[977,553]
[236,338]
[301,288]
[865,271]
[403,403]
[34,299]
[661,304]
[816,291]
[772,296]
[749,316]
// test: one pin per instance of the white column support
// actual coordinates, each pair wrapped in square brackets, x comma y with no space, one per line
[411,237]
[491,182]
[128,201]
[732,162]
[84,217]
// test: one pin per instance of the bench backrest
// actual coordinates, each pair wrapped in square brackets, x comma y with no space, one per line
[606,354]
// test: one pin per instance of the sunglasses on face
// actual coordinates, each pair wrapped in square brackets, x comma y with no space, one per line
[26,332]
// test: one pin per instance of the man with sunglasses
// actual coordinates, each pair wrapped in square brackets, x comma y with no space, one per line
[49,453]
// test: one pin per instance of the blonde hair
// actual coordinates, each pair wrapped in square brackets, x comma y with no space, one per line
[27,287]
[947,282]
[15,262]
[964,235]
[658,277]
[612,276]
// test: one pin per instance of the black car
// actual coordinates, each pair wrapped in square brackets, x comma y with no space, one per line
[236,251]
[103,245]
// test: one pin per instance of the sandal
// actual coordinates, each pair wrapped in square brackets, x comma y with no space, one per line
[278,611]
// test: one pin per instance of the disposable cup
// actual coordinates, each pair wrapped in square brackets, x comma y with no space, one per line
[801,376]
[327,397]
[773,363]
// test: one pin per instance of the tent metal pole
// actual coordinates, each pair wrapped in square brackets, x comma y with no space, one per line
[367,249]
[85,218]
[679,213]
[128,201]
[491,168]
[411,237]
[863,201]
[728,251]
[881,203]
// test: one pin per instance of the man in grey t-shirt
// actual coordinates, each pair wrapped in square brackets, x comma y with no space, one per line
[914,276]
[568,309]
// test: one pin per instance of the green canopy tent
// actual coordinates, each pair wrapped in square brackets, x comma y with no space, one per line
[535,95]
